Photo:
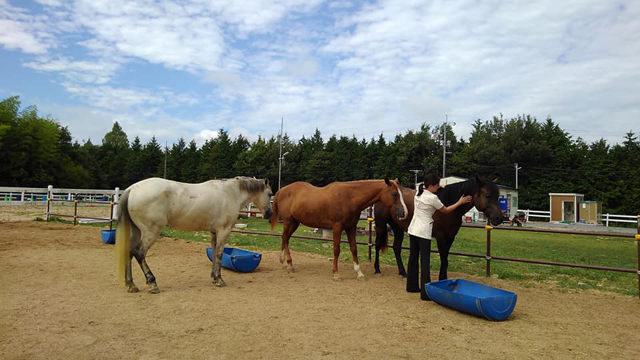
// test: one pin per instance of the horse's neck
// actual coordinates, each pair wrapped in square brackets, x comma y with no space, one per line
[365,193]
[243,198]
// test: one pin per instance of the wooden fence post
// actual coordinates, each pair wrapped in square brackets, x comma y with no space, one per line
[638,243]
[75,209]
[49,196]
[370,220]
[488,257]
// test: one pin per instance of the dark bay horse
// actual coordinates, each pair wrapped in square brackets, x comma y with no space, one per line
[445,227]
[147,206]
[336,206]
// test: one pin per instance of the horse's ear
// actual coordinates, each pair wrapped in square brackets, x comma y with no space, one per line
[497,178]
[480,182]
[386,180]
[266,181]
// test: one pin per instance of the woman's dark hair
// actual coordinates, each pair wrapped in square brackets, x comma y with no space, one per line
[429,179]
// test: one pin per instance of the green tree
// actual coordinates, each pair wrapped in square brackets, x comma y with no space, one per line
[114,155]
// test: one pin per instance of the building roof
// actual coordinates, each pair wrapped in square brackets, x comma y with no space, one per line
[445,181]
[565,194]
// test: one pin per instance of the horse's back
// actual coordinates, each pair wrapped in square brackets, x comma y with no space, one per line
[183,206]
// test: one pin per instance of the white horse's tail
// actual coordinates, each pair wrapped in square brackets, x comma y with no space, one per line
[123,236]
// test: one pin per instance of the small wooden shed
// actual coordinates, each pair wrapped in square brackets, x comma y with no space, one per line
[564,207]
[591,212]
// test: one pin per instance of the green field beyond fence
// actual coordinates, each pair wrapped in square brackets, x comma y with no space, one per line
[577,249]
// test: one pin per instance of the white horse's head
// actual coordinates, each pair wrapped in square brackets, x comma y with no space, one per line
[260,194]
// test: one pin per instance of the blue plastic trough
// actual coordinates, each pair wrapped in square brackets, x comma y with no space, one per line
[473,298]
[108,236]
[238,259]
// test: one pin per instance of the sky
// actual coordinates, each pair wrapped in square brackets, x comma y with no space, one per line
[185,69]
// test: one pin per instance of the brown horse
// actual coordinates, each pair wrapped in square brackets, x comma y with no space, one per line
[445,227]
[336,206]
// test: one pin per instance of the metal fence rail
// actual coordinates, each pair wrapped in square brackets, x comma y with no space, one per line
[487,256]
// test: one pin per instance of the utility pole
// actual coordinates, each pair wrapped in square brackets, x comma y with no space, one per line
[415,175]
[444,147]
[280,156]
[165,158]
[517,168]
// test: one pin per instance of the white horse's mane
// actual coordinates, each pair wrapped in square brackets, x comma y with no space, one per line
[251,184]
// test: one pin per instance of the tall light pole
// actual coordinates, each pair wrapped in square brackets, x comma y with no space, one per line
[517,168]
[415,174]
[280,156]
[444,148]
[166,150]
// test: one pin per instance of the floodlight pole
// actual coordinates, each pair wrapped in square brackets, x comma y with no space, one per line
[444,148]
[517,168]
[166,149]
[415,175]
[280,156]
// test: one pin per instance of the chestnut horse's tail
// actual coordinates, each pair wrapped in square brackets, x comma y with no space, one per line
[123,236]
[275,211]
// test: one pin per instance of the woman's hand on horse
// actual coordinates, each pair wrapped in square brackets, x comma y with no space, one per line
[464,199]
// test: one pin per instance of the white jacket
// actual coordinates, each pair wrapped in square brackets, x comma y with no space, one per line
[424,206]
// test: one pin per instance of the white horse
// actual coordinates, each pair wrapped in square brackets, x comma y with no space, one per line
[146,207]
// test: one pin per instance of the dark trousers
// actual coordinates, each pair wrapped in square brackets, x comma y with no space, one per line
[419,248]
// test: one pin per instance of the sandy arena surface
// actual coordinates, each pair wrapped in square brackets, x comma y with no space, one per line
[59,299]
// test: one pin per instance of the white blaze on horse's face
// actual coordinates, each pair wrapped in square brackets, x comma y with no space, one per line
[392,198]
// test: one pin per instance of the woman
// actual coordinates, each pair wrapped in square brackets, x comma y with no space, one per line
[426,203]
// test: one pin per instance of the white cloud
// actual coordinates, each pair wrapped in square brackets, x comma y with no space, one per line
[346,68]
[98,72]
[19,31]
[204,135]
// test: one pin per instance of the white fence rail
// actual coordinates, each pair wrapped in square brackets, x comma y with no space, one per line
[605,219]
[536,213]
[24,195]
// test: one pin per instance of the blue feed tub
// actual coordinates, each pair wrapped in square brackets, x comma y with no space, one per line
[473,298]
[238,259]
[108,236]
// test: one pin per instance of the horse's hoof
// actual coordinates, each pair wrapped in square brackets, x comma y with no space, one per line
[360,278]
[378,274]
[132,289]
[219,283]
[337,278]
[154,290]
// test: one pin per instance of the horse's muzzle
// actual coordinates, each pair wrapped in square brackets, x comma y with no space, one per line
[400,214]
[268,213]
[497,220]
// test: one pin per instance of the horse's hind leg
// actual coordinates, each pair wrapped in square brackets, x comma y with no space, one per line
[128,278]
[381,238]
[149,234]
[288,229]
[128,275]
[351,235]
[151,279]
[398,237]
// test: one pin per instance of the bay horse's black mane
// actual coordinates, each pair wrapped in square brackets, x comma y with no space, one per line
[451,193]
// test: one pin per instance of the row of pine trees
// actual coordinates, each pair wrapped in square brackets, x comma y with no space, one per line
[37,151]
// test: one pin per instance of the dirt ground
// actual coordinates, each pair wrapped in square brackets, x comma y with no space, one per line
[59,298]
